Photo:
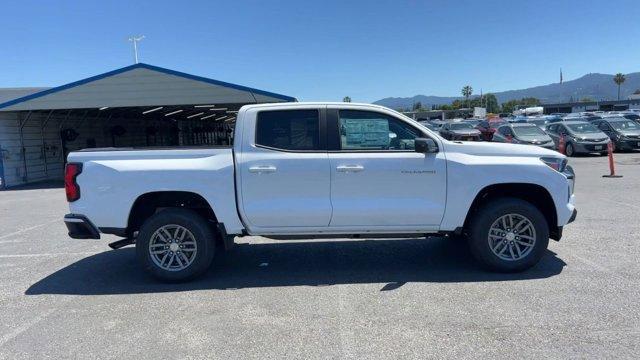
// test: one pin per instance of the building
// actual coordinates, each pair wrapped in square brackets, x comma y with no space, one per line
[138,105]
[609,105]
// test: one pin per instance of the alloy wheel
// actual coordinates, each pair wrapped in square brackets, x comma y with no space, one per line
[512,237]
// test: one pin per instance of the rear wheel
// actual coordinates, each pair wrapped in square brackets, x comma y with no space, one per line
[508,235]
[175,245]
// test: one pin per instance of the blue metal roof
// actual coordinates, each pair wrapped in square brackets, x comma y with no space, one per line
[149,67]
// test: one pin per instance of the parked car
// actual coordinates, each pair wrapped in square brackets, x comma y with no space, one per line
[583,116]
[523,133]
[631,116]
[539,122]
[367,171]
[459,131]
[496,123]
[428,125]
[624,133]
[579,136]
[486,131]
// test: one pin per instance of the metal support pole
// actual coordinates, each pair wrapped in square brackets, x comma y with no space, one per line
[23,150]
[44,150]
[64,160]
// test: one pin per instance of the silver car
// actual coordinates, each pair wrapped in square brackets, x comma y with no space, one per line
[580,137]
[523,133]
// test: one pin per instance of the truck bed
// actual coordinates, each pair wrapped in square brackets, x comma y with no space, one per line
[114,179]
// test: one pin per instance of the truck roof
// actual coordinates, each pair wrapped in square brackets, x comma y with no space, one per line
[311,103]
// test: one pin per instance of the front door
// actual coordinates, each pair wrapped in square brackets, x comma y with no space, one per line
[284,170]
[377,179]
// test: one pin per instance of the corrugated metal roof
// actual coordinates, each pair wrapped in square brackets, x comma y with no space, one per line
[7,94]
[141,85]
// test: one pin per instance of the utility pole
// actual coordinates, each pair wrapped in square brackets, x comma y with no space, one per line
[135,39]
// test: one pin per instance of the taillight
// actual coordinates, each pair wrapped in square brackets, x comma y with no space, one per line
[71,172]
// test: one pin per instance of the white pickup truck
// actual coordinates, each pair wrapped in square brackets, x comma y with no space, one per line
[331,170]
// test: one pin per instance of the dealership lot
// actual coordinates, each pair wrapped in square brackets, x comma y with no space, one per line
[412,298]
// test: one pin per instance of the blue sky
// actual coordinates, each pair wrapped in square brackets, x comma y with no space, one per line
[324,50]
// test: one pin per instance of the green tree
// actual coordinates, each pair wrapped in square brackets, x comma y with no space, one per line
[417,106]
[619,80]
[587,99]
[346,99]
[466,92]
[491,103]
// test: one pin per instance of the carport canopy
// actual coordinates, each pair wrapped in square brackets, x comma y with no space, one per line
[150,91]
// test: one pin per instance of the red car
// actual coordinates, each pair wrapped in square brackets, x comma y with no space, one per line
[487,129]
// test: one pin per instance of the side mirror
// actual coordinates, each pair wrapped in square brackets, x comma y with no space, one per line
[425,146]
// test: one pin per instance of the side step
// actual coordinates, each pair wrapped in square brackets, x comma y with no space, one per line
[122,243]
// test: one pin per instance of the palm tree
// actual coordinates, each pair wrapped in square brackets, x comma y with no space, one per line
[619,79]
[346,99]
[467,91]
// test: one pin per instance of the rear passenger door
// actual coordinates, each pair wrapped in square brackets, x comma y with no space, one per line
[284,170]
[378,181]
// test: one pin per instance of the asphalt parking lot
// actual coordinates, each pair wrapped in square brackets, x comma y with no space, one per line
[65,298]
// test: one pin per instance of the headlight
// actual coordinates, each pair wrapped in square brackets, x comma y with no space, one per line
[557,164]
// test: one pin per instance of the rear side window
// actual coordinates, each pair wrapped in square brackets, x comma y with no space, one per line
[289,129]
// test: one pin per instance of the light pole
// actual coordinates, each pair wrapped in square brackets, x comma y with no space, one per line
[135,39]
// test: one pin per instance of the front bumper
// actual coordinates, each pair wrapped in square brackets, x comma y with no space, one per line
[80,227]
[583,147]
[628,144]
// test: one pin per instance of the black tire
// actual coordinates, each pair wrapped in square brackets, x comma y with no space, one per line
[203,235]
[604,153]
[487,215]
[570,150]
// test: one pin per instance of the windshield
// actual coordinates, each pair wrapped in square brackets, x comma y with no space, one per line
[537,122]
[624,125]
[528,131]
[460,126]
[582,128]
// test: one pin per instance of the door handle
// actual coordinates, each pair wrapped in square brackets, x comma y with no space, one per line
[350,168]
[262,169]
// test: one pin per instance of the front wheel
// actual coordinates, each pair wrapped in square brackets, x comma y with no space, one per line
[508,235]
[570,150]
[175,245]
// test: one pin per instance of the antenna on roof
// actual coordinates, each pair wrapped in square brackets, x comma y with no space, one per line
[135,39]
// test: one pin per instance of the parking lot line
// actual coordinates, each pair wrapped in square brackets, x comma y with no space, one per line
[24,327]
[28,229]
[48,254]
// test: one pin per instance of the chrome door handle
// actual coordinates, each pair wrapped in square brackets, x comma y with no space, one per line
[262,169]
[350,168]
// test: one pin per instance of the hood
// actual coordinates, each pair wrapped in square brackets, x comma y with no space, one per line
[535,139]
[499,149]
[634,133]
[591,136]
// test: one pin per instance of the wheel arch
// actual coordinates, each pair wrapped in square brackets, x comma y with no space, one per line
[535,194]
[150,203]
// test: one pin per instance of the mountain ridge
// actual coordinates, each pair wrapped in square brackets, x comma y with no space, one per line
[593,85]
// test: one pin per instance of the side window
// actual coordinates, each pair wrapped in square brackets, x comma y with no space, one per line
[367,130]
[288,129]
[553,128]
